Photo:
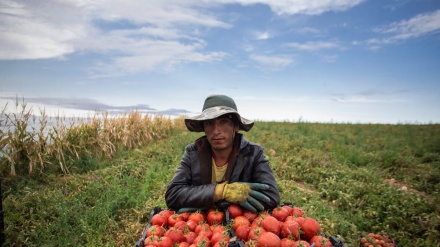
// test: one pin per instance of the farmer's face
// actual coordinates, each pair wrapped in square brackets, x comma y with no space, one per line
[220,132]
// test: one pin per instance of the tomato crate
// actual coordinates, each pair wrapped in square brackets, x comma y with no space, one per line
[274,228]
[232,242]
[382,239]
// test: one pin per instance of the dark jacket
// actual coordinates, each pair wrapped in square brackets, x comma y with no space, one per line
[192,184]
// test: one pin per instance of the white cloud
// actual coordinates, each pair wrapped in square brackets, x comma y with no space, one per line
[151,34]
[310,7]
[419,25]
[313,46]
[272,62]
[262,35]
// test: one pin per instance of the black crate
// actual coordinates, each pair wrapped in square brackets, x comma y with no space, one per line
[156,210]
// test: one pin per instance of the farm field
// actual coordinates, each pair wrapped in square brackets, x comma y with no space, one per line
[352,178]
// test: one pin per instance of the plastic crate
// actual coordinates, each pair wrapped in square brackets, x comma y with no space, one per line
[223,207]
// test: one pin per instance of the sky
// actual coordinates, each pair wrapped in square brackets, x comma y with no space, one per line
[330,61]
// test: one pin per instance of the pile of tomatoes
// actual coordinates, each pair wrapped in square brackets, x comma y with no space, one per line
[377,240]
[284,226]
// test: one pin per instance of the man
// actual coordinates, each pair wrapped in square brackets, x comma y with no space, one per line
[222,166]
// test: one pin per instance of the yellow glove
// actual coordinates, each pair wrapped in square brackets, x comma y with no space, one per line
[234,193]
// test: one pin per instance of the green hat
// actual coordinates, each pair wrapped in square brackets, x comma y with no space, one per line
[214,107]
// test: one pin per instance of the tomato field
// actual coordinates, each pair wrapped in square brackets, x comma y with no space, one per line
[357,181]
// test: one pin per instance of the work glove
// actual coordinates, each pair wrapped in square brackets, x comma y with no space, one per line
[246,195]
[182,210]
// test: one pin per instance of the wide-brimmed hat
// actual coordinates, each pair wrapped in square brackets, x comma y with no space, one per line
[214,107]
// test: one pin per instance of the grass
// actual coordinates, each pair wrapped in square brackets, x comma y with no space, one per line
[352,178]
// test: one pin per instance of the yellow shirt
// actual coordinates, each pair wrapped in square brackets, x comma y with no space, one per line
[218,172]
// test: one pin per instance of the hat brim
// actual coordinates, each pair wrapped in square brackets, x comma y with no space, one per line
[195,124]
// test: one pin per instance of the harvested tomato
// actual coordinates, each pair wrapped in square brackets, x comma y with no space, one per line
[242,232]
[280,213]
[190,236]
[172,219]
[251,216]
[310,227]
[215,217]
[297,212]
[287,242]
[239,221]
[160,220]
[271,224]
[197,217]
[290,229]
[301,243]
[235,210]
[175,234]
[269,239]
[320,241]
[155,230]
[202,241]
[255,232]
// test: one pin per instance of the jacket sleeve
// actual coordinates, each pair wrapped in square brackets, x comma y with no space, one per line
[262,173]
[185,188]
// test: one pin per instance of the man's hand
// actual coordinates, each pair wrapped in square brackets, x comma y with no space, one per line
[245,194]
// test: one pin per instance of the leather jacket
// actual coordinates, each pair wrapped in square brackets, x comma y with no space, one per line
[192,184]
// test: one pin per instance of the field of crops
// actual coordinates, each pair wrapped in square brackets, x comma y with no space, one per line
[352,178]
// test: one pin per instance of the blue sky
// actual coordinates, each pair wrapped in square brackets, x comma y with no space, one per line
[348,61]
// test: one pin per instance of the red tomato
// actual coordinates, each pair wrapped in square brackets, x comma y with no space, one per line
[222,243]
[257,221]
[183,244]
[197,217]
[242,232]
[164,241]
[280,213]
[218,236]
[175,234]
[286,242]
[251,216]
[202,241]
[235,210]
[255,232]
[166,212]
[290,229]
[202,226]
[218,228]
[297,212]
[206,232]
[185,216]
[151,240]
[180,224]
[215,217]
[288,208]
[269,239]
[239,221]
[310,227]
[190,236]
[155,230]
[160,220]
[301,243]
[271,224]
[320,241]
[173,219]
[191,224]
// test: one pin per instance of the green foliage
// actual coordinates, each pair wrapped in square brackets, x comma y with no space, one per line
[351,177]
